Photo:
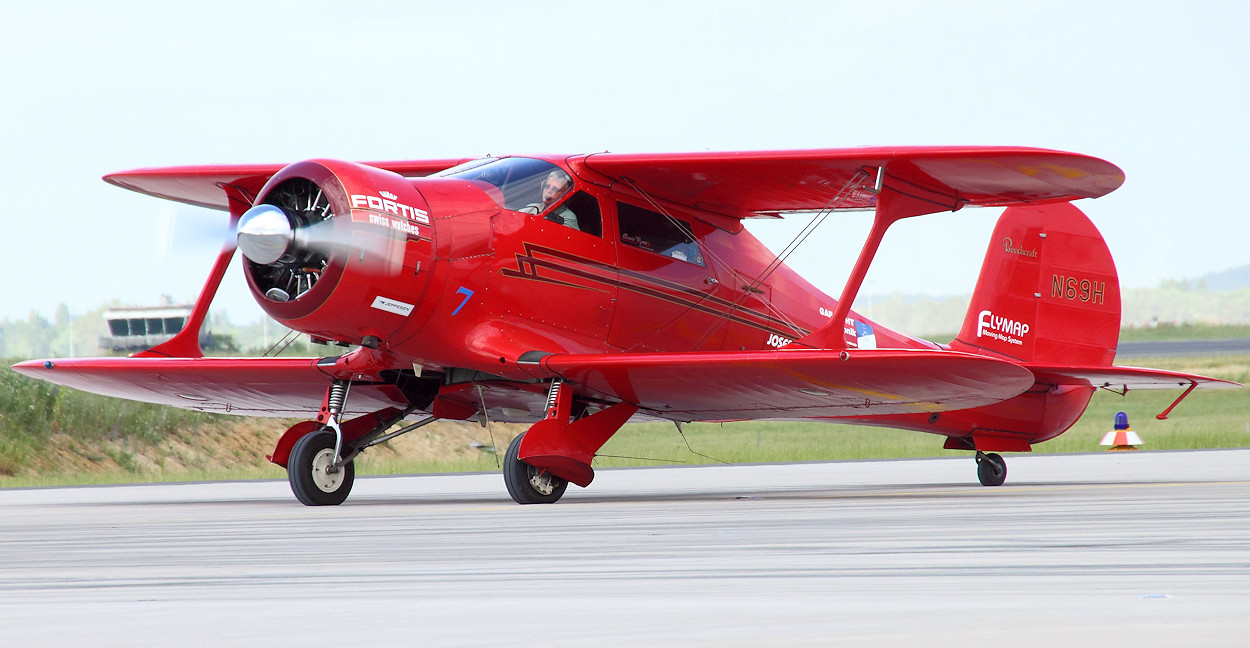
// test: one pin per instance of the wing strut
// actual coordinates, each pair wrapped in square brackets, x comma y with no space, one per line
[899,196]
[186,343]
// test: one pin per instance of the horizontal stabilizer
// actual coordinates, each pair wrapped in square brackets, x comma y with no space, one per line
[797,383]
[1121,378]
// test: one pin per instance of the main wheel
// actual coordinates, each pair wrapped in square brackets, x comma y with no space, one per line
[308,470]
[991,469]
[527,484]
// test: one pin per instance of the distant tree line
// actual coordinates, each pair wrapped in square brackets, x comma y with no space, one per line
[1173,302]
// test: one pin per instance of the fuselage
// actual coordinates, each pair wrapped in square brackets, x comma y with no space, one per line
[477,266]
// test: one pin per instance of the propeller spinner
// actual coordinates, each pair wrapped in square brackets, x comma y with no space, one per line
[265,234]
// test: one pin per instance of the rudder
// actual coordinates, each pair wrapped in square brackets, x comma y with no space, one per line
[1048,292]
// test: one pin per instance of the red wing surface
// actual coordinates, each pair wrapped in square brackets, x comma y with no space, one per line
[202,185]
[799,383]
[287,387]
[768,183]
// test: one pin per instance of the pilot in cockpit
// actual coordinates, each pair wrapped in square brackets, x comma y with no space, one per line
[554,187]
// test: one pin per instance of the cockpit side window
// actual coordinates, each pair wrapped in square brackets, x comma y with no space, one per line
[655,232]
[580,212]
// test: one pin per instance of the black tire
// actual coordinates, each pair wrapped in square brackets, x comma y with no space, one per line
[305,469]
[527,484]
[991,469]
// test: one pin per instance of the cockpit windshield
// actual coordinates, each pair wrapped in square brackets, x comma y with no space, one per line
[516,183]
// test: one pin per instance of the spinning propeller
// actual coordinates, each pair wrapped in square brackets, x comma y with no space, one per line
[290,236]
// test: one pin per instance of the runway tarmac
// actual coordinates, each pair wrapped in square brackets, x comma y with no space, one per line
[1182,348]
[1136,549]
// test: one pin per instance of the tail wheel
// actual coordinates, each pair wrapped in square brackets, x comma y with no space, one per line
[991,469]
[309,469]
[527,484]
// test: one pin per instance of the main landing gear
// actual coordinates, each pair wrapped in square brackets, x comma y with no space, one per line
[560,447]
[527,484]
[991,469]
[314,478]
[318,455]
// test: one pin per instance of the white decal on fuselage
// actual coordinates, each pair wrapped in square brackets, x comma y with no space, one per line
[776,341]
[392,306]
[395,224]
[378,203]
[1001,328]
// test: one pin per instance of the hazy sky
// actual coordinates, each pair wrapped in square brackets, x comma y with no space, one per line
[1160,89]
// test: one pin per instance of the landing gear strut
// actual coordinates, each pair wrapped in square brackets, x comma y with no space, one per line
[527,484]
[314,478]
[991,469]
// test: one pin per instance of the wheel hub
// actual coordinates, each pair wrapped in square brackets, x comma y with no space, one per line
[324,476]
[541,481]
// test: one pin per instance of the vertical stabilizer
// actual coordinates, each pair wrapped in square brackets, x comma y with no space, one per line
[1048,291]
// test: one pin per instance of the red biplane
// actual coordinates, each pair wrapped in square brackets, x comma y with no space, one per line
[579,292]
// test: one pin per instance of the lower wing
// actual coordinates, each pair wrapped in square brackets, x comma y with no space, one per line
[799,383]
[282,387]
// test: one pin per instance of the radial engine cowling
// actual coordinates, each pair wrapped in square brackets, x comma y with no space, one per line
[338,250]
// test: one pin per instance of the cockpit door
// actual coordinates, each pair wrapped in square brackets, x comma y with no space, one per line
[556,271]
[665,297]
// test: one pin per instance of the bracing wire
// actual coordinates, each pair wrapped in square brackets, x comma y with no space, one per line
[752,286]
[285,341]
[692,451]
[481,397]
[717,261]
[608,456]
[671,461]
[817,220]
[289,342]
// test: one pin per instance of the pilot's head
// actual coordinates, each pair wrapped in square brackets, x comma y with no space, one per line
[555,185]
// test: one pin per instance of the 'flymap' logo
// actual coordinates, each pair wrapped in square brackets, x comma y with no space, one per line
[1001,328]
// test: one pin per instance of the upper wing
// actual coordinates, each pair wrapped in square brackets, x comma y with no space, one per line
[799,383]
[287,387]
[746,184]
[202,185]
[767,183]
[1131,378]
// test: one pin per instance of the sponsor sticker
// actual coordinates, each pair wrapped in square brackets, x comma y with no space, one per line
[858,334]
[1001,328]
[390,206]
[777,341]
[395,224]
[392,306]
[865,337]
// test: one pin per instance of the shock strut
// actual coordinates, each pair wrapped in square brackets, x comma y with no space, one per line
[552,393]
[334,407]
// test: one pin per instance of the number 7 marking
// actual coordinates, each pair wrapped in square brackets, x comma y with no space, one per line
[467,294]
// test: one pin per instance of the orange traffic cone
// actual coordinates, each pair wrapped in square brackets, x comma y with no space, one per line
[1122,437]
